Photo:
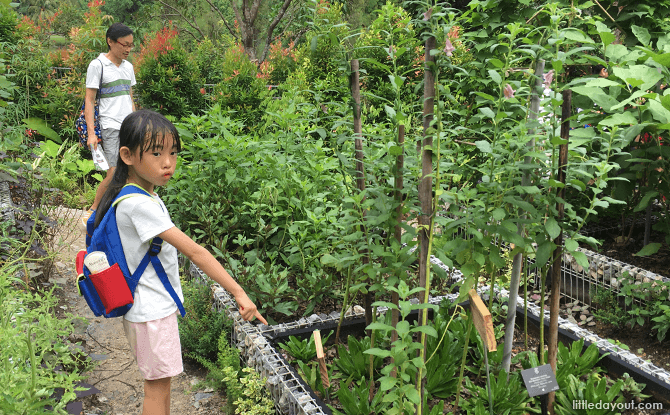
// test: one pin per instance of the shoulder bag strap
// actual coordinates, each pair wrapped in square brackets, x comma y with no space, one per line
[102,72]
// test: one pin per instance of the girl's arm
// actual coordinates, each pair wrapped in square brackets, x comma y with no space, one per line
[210,266]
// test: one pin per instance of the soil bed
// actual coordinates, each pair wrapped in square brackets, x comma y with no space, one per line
[640,341]
[659,263]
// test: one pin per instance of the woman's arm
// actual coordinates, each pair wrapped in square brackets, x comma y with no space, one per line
[210,266]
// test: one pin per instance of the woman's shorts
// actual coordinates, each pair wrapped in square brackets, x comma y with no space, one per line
[155,346]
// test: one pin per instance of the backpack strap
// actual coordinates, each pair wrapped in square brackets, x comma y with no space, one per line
[156,246]
[130,190]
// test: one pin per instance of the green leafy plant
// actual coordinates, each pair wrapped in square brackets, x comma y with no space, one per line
[509,396]
[226,369]
[573,361]
[594,390]
[245,389]
[203,326]
[35,359]
[355,401]
[311,374]
[661,321]
[396,381]
[443,358]
[607,308]
[268,286]
[389,50]
[570,361]
[352,360]
[64,169]
[302,350]
[633,389]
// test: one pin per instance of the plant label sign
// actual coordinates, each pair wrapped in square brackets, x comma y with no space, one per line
[539,380]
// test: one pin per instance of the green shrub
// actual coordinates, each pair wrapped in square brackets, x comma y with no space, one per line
[65,170]
[242,89]
[202,326]
[35,354]
[210,59]
[274,197]
[8,22]
[244,388]
[389,46]
[67,17]
[323,56]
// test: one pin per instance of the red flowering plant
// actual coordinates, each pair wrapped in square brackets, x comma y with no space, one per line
[156,44]
[27,28]
[168,78]
[280,63]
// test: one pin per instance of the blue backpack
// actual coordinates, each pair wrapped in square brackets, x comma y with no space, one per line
[110,293]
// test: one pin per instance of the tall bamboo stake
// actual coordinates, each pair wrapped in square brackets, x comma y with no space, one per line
[426,188]
[517,261]
[400,161]
[360,169]
[360,182]
[558,253]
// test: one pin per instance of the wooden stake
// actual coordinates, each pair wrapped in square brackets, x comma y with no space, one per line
[321,358]
[558,253]
[481,317]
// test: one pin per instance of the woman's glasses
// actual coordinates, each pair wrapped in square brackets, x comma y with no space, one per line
[126,45]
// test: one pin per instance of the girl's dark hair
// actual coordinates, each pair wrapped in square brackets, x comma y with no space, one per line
[143,130]
[117,31]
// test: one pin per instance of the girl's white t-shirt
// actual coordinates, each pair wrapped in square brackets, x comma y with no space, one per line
[140,218]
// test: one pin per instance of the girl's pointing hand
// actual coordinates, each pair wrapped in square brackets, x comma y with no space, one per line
[248,309]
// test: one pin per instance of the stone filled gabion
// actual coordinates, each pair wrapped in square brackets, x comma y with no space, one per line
[6,205]
[608,273]
[289,394]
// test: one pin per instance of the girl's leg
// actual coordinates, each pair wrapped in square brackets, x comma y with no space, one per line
[157,397]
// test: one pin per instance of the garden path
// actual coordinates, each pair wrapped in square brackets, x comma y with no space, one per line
[116,375]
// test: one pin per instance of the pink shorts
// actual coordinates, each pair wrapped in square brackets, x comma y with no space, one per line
[155,346]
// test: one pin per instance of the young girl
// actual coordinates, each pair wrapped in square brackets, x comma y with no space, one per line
[148,149]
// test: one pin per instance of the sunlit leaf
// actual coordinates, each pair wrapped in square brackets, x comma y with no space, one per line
[649,249]
[41,127]
[642,34]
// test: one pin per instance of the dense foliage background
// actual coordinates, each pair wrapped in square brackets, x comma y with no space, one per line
[262,99]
